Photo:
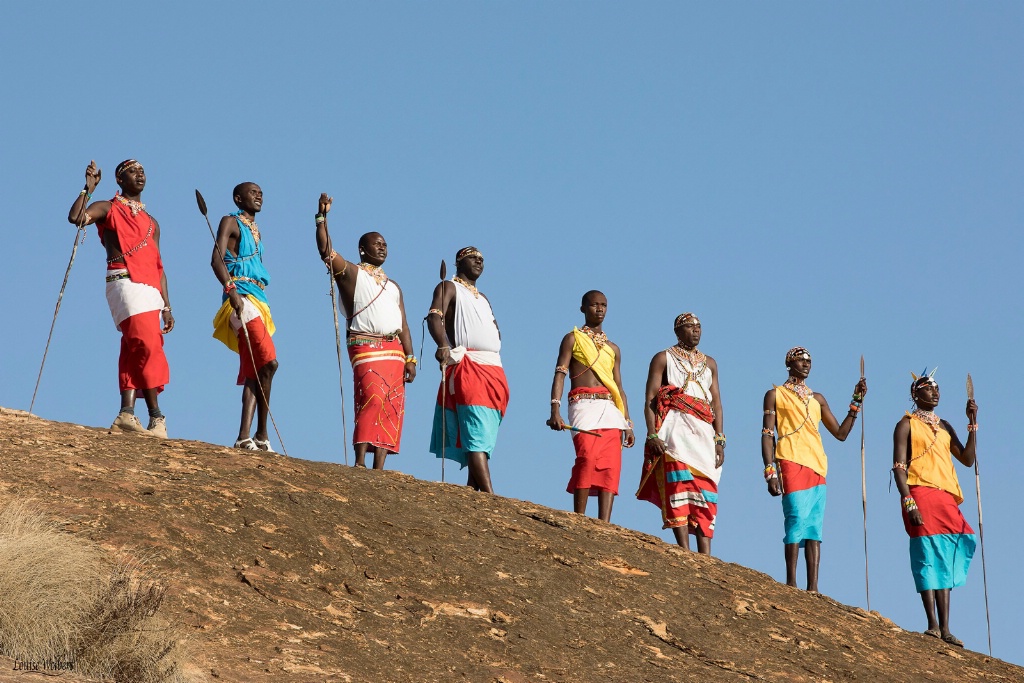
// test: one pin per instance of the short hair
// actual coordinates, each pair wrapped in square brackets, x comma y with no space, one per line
[583,301]
[238,190]
[365,237]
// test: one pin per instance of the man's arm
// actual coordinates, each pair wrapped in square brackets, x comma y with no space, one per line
[655,375]
[768,444]
[628,437]
[558,382]
[227,236]
[443,300]
[966,454]
[166,312]
[406,337]
[841,431]
[900,462]
[716,404]
[339,266]
[79,214]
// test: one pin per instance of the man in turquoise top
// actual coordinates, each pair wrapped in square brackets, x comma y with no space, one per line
[243,322]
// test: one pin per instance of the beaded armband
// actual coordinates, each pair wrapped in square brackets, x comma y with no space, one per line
[769,412]
[432,311]
[770,472]
[899,466]
[767,432]
[562,369]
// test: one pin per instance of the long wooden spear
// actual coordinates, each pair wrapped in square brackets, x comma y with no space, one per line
[864,495]
[337,342]
[444,376]
[981,528]
[202,209]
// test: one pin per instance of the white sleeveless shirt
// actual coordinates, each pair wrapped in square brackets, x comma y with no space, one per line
[475,329]
[383,315]
[680,373]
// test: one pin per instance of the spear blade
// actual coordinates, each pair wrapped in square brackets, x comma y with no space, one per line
[444,269]
[201,202]
[970,387]
[862,366]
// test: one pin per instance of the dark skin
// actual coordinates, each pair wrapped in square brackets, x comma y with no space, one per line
[249,201]
[799,369]
[594,309]
[131,182]
[469,269]
[688,337]
[373,249]
[935,602]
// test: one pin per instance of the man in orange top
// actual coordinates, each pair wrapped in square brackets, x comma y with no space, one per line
[136,289]
[795,412]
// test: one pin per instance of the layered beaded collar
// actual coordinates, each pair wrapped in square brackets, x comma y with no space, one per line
[694,357]
[928,417]
[471,288]
[599,338]
[135,206]
[253,228]
[376,272]
[799,388]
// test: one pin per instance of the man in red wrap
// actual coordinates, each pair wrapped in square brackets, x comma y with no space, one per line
[597,404]
[378,339]
[136,290]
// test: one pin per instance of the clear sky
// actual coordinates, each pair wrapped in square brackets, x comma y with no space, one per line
[845,177]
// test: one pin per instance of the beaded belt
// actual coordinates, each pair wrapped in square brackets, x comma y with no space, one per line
[355,338]
[119,276]
[249,279]
[579,397]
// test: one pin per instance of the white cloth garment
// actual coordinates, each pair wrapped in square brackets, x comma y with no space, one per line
[383,315]
[476,333]
[689,438]
[595,413]
[126,298]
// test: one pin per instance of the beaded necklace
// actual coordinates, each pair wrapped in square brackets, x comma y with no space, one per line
[253,228]
[471,288]
[928,417]
[376,272]
[799,388]
[599,338]
[697,362]
[694,357]
[135,206]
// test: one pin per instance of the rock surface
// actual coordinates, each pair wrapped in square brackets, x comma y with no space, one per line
[286,569]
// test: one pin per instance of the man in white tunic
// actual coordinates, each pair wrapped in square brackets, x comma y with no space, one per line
[473,396]
[685,443]
[378,339]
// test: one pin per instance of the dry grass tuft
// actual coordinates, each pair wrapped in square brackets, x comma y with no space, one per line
[63,599]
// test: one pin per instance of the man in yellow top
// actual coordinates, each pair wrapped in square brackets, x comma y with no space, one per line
[597,404]
[795,465]
[941,542]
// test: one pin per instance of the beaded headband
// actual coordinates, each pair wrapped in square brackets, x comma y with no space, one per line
[924,379]
[683,318]
[467,251]
[797,352]
[125,166]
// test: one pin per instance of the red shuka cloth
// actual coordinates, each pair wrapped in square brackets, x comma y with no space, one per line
[144,264]
[263,349]
[142,363]
[598,462]
[378,372]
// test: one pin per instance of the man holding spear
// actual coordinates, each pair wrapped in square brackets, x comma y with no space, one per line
[136,290]
[244,323]
[941,542]
[378,339]
[795,466]
[685,440]
[598,414]
[473,396]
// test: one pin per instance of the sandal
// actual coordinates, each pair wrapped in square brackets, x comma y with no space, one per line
[246,445]
[262,445]
[934,633]
[952,640]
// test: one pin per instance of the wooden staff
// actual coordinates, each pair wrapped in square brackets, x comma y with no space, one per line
[864,495]
[337,342]
[202,208]
[444,377]
[981,528]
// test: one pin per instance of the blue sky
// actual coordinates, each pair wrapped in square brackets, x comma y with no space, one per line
[841,177]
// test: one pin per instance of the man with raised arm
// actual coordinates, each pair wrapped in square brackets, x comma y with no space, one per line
[378,339]
[685,445]
[474,392]
[795,466]
[941,542]
[244,322]
[136,290]
[597,404]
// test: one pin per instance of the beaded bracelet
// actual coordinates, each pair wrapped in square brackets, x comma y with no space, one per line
[770,472]
[909,504]
[85,194]
[411,359]
[652,436]
[556,401]
[719,439]
[166,309]
[972,428]
[320,218]
[629,424]
[230,287]
[857,398]
[854,408]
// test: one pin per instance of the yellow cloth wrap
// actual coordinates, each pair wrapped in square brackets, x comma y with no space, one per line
[601,362]
[930,463]
[804,446]
[222,325]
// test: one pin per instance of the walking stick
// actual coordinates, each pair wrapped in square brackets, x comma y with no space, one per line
[444,378]
[981,528]
[79,239]
[248,341]
[337,344]
[864,495]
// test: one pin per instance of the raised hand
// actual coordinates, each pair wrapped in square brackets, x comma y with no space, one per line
[861,388]
[92,176]
[972,411]
[325,203]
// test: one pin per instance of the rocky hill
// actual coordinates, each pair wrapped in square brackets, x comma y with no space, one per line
[290,570]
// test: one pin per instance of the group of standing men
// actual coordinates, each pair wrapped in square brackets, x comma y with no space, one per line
[685,444]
